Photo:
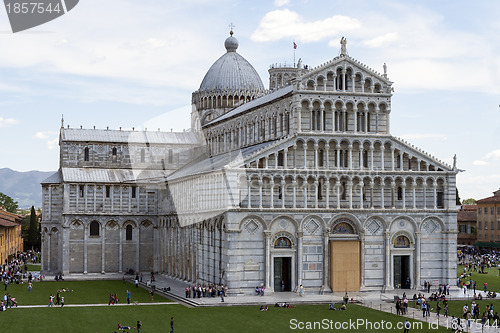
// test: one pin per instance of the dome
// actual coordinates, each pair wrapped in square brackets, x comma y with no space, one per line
[231,72]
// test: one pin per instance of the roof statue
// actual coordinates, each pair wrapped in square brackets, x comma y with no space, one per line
[385,70]
[299,63]
[343,46]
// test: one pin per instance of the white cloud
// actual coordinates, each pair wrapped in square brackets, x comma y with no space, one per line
[419,136]
[51,144]
[279,3]
[284,23]
[43,135]
[480,163]
[4,122]
[382,41]
[53,138]
[493,155]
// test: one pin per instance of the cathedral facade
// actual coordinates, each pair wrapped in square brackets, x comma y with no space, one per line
[300,184]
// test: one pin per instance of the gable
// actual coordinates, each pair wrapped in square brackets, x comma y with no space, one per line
[322,77]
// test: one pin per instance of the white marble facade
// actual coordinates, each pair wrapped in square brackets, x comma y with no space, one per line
[267,188]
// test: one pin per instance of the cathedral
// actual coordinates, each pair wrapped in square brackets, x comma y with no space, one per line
[298,184]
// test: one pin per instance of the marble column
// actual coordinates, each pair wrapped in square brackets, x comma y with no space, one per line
[271,189]
[403,189]
[387,268]
[85,233]
[300,235]
[326,262]
[260,193]
[316,161]
[418,236]
[371,158]
[267,236]
[103,249]
[362,259]
[327,189]
[392,158]
[283,198]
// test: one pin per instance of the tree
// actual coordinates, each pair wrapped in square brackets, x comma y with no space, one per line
[33,230]
[469,201]
[8,203]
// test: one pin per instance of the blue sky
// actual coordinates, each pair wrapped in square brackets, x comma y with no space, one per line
[122,63]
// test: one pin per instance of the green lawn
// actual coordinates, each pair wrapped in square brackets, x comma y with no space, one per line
[491,278]
[34,267]
[455,307]
[84,292]
[156,318]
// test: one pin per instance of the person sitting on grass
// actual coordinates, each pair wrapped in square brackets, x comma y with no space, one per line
[343,307]
[263,308]
[332,306]
[121,327]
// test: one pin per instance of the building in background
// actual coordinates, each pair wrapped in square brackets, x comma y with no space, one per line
[467,225]
[301,184]
[11,241]
[488,221]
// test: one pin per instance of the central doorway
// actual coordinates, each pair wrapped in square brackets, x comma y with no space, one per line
[402,272]
[345,265]
[283,274]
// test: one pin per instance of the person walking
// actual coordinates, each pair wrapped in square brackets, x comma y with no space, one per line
[128,296]
[136,282]
[407,326]
[139,326]
[62,301]
[30,285]
[51,300]
[172,325]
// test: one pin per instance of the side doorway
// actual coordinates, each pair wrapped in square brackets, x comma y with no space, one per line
[282,274]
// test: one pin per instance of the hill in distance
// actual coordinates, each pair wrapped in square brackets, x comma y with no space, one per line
[23,187]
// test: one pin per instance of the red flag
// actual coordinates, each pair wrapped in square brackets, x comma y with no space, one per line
[294,45]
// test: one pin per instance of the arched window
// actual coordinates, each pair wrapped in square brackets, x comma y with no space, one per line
[280,159]
[86,154]
[128,232]
[94,228]
[321,154]
[400,193]
[114,151]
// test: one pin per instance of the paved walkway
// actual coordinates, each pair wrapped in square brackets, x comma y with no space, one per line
[89,305]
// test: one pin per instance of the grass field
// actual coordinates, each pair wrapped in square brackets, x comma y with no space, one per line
[491,278]
[34,267]
[84,292]
[156,318]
